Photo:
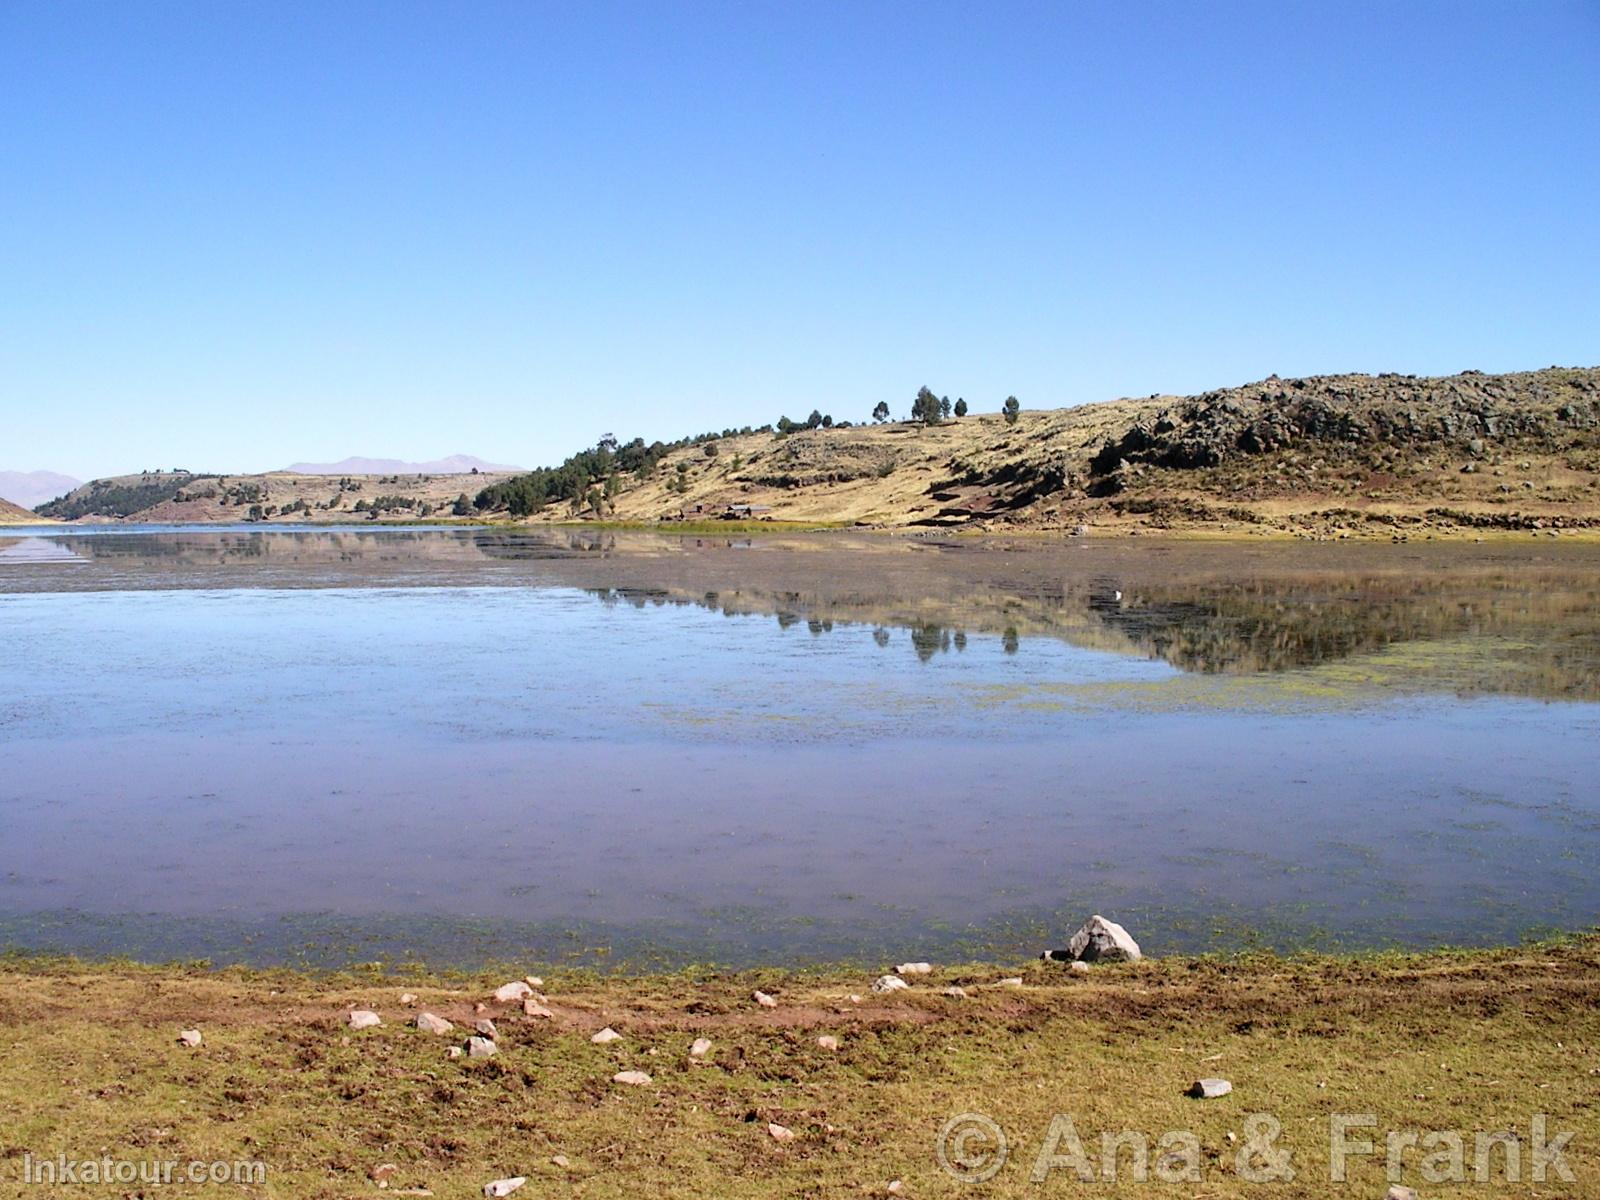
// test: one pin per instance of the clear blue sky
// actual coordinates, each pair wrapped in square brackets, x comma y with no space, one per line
[234,235]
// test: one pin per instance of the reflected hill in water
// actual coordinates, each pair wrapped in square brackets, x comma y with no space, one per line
[1512,619]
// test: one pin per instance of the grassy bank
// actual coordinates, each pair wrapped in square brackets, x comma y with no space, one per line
[1449,1041]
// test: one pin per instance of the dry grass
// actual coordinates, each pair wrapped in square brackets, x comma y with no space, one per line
[1461,1041]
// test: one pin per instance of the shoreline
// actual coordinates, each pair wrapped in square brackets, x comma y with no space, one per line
[832,1090]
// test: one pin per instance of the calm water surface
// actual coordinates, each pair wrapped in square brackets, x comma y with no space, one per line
[454,745]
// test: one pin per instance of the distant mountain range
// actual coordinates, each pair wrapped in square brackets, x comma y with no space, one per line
[456,464]
[30,488]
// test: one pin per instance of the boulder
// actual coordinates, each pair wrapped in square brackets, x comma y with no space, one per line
[363,1018]
[631,1078]
[486,1027]
[828,1042]
[1209,1089]
[764,1000]
[532,1008]
[504,1187]
[914,968]
[429,1023]
[700,1047]
[607,1034]
[780,1133]
[1103,940]
[510,993]
[190,1038]
[889,983]
[481,1047]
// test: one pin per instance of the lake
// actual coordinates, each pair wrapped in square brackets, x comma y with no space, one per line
[634,751]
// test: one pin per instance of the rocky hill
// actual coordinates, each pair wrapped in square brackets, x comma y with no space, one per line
[1323,456]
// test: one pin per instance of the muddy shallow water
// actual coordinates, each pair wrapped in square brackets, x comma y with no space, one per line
[462,744]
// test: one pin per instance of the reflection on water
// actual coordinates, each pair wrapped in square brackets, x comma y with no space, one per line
[466,743]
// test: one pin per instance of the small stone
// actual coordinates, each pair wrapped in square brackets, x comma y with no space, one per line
[363,1018]
[486,1027]
[914,968]
[1081,967]
[383,1173]
[453,1052]
[607,1034]
[1011,981]
[560,1160]
[764,1000]
[780,1133]
[889,983]
[190,1038]
[533,981]
[510,993]
[504,1187]
[956,993]
[631,1078]
[828,1042]
[1397,1192]
[481,1047]
[1209,1089]
[854,999]
[700,1047]
[895,1187]
[532,1008]
[429,1023]
[407,998]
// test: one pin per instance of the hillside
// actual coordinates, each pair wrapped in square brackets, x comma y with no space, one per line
[1330,455]
[185,498]
[11,514]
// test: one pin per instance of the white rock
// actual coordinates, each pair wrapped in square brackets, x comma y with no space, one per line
[1081,967]
[1209,1089]
[828,1042]
[533,981]
[631,1078]
[764,1000]
[700,1047]
[453,1052]
[1397,1192]
[532,1008]
[607,1034]
[889,983]
[560,1160]
[1103,939]
[1011,981]
[429,1023]
[916,968]
[190,1038]
[363,1018]
[895,1187]
[958,993]
[504,1187]
[780,1133]
[481,1047]
[407,998]
[510,993]
[486,1027]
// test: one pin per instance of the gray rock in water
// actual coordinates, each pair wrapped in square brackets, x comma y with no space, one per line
[889,983]
[481,1047]
[1103,940]
[429,1023]
[1209,1089]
